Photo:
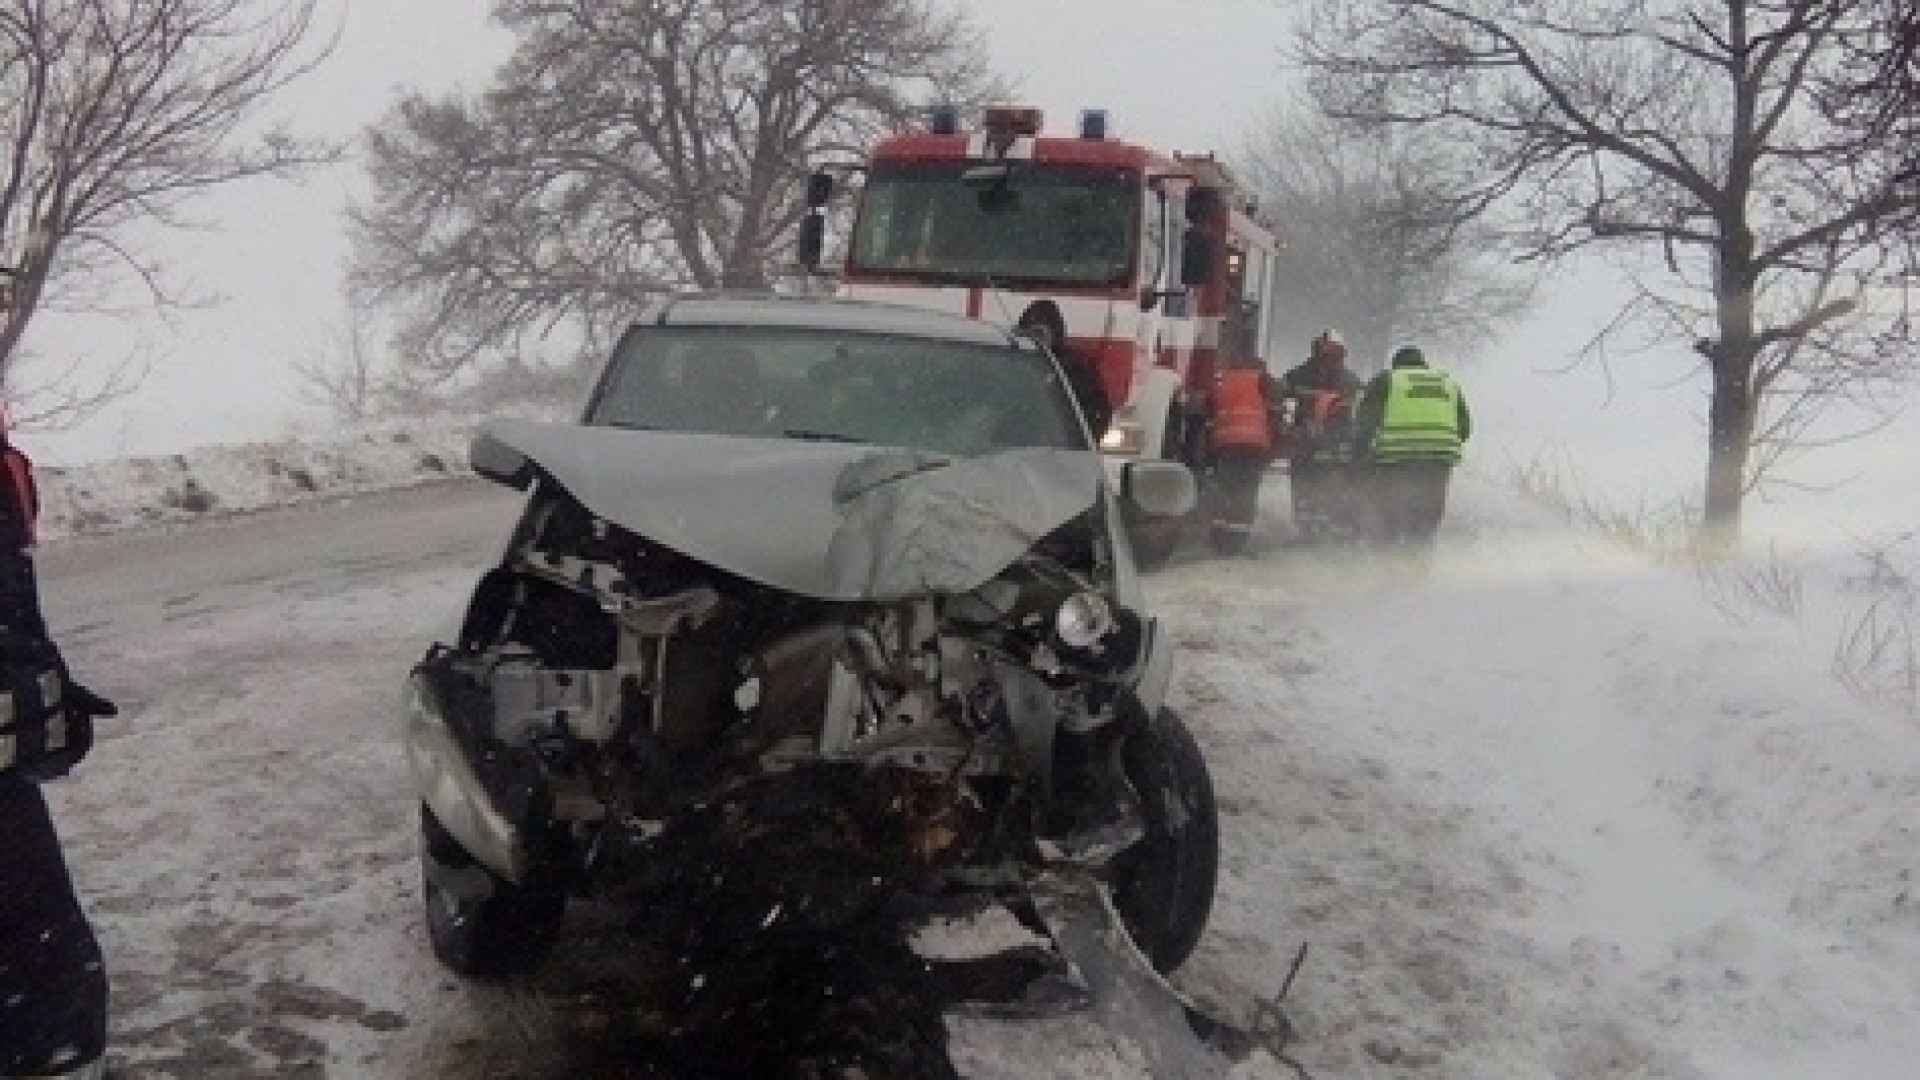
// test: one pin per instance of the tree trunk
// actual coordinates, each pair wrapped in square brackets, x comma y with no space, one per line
[1733,409]
[1731,415]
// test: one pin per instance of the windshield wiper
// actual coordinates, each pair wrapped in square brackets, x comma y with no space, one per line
[805,435]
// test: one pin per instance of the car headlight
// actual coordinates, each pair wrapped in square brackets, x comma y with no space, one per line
[416,706]
[1123,437]
[1095,637]
[1083,621]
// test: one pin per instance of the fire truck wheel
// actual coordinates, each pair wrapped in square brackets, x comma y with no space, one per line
[481,925]
[1231,540]
[1154,542]
[1163,886]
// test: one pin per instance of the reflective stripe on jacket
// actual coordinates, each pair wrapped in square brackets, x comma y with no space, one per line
[1420,419]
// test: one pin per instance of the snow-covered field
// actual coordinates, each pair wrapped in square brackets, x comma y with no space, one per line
[1548,809]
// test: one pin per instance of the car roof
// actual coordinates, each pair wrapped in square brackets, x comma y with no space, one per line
[825,313]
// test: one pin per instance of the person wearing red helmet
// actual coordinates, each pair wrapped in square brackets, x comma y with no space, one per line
[1320,395]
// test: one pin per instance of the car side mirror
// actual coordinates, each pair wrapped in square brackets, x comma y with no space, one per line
[1159,488]
[496,461]
[813,240]
[1197,258]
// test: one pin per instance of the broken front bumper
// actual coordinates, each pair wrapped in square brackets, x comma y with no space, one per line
[447,782]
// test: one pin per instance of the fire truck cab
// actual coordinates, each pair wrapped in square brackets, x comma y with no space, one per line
[1154,269]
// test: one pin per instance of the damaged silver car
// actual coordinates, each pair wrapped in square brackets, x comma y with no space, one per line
[821,602]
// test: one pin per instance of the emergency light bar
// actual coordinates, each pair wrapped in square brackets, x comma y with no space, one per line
[1005,120]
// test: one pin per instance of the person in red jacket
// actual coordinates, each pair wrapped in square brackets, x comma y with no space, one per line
[53,985]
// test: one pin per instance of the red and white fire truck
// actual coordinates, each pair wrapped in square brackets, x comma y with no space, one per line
[1153,267]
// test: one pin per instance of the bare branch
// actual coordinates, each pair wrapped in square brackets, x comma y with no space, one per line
[1807,323]
[63,400]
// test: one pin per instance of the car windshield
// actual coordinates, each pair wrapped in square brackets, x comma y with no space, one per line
[1041,224]
[889,390]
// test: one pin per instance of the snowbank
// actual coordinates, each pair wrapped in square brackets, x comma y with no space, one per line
[215,481]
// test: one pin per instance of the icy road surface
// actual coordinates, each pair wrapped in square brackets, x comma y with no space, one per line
[1541,813]
[241,835]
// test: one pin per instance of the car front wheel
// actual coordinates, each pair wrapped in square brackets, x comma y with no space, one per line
[1163,886]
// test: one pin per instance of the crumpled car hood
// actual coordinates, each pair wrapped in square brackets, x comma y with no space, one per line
[824,520]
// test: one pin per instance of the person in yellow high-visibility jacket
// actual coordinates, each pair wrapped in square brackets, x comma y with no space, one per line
[1411,424]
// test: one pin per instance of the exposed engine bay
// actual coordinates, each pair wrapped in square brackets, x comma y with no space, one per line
[602,678]
[603,681]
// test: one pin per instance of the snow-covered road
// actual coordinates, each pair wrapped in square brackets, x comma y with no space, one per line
[1541,812]
[241,835]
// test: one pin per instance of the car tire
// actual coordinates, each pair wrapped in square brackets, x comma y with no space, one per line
[1163,886]
[481,925]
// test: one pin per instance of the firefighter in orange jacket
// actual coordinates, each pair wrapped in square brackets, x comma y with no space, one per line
[53,988]
[1242,413]
[1240,446]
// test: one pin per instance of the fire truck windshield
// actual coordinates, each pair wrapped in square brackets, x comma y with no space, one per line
[1039,223]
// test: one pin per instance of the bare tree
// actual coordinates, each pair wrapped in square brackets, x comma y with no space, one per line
[626,148]
[1685,129]
[343,373]
[348,374]
[1381,237]
[113,115]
